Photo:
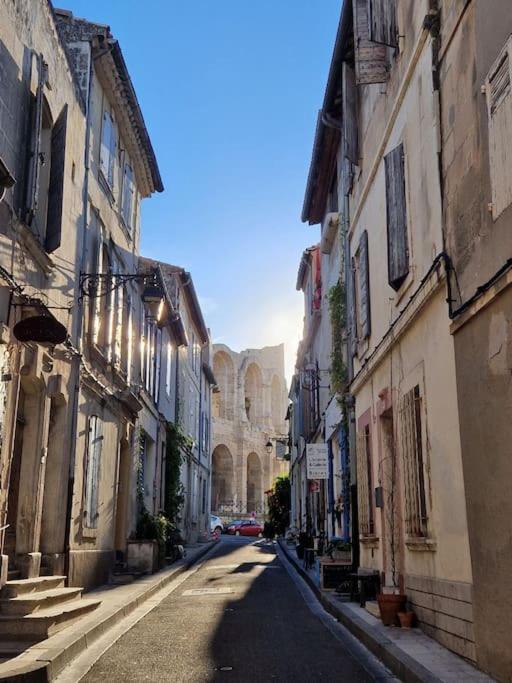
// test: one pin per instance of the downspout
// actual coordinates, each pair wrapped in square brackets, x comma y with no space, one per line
[78,323]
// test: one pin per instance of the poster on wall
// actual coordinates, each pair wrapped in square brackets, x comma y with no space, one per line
[317,461]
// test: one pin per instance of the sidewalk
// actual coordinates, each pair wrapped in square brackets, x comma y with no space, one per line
[43,661]
[408,653]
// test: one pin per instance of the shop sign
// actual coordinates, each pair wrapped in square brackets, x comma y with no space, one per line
[317,461]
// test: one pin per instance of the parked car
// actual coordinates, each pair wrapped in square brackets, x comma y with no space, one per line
[246,527]
[216,524]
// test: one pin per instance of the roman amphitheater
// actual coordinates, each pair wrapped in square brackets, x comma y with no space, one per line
[249,411]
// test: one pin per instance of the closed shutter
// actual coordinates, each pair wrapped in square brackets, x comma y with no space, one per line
[364,287]
[351,300]
[382,22]
[371,58]
[350,138]
[118,325]
[127,197]
[94,444]
[34,147]
[396,209]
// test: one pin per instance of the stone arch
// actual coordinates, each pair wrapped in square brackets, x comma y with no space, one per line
[254,483]
[223,484]
[253,393]
[223,399]
[276,403]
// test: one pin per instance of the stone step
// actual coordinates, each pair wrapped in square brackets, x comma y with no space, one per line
[13,574]
[46,622]
[28,603]
[22,586]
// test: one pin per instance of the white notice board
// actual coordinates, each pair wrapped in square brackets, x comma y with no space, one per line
[317,461]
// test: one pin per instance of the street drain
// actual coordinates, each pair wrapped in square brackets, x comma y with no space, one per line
[208,591]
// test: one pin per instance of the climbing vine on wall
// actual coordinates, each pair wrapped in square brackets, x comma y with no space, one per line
[176,444]
[337,311]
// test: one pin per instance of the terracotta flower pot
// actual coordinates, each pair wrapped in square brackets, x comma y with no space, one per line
[406,619]
[389,606]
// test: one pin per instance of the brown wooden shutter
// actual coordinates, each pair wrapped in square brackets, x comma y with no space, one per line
[56,186]
[34,146]
[364,287]
[351,318]
[350,136]
[371,58]
[382,22]
[396,209]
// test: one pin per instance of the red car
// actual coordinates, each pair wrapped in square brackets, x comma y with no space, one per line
[246,527]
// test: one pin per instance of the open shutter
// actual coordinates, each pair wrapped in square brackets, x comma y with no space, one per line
[56,186]
[382,22]
[371,58]
[396,209]
[351,318]
[34,147]
[350,135]
[364,287]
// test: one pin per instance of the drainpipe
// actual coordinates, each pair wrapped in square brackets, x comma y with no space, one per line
[78,324]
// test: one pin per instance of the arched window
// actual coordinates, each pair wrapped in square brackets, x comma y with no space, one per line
[223,399]
[253,393]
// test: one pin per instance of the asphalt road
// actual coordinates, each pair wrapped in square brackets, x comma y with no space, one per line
[243,616]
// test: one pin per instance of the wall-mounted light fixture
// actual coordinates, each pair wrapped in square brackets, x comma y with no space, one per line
[95,285]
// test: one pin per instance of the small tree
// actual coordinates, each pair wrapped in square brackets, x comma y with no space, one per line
[279,502]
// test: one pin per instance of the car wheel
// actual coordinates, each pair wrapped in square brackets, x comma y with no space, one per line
[218,529]
[237,533]
[260,535]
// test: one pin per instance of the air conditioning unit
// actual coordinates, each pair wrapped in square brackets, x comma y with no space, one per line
[329,228]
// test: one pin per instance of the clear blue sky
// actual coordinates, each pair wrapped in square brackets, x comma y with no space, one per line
[230,91]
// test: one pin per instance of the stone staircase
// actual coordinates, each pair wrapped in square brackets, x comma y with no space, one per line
[31,610]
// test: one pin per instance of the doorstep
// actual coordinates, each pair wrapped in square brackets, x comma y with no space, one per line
[409,653]
[43,661]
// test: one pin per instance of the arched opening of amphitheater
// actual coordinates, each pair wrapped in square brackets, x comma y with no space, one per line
[254,484]
[222,479]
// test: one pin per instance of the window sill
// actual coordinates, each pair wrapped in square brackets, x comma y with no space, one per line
[88,532]
[369,541]
[405,286]
[420,544]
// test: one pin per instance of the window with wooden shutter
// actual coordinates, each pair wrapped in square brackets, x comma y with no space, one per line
[352,314]
[56,185]
[364,483]
[382,22]
[108,148]
[34,144]
[499,109]
[416,518]
[364,312]
[350,132]
[371,58]
[396,211]
[127,196]
[92,478]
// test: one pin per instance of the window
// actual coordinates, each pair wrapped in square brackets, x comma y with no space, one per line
[364,482]
[141,470]
[127,196]
[413,463]
[168,370]
[382,22]
[93,461]
[499,110]
[108,149]
[371,58]
[396,211]
[362,288]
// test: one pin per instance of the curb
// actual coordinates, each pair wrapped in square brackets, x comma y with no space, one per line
[397,661]
[42,662]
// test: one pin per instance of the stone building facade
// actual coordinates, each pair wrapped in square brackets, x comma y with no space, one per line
[249,408]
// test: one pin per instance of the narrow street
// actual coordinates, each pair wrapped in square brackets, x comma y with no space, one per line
[239,616]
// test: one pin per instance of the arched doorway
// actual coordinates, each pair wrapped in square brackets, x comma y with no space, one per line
[222,479]
[254,484]
[224,372]
[253,393]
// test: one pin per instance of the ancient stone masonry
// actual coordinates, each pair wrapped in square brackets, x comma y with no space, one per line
[248,411]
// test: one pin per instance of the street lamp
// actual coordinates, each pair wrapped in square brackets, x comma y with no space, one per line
[95,285]
[269,447]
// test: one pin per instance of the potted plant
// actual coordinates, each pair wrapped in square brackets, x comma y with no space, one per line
[406,619]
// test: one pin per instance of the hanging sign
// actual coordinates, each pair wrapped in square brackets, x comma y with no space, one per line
[317,461]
